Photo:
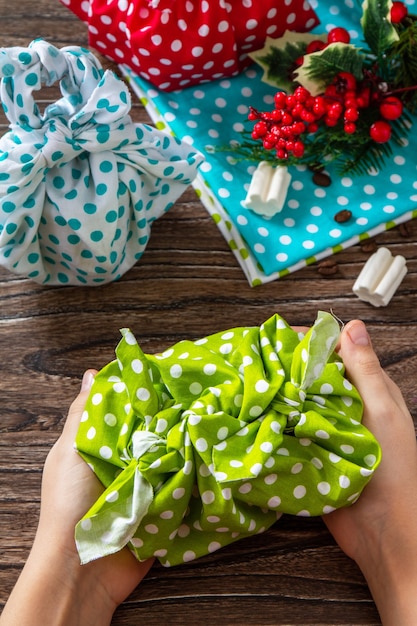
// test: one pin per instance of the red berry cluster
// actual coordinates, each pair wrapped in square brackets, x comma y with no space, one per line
[349,97]
[297,114]
[281,129]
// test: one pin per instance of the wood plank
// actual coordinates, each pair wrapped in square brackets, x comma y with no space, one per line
[187,285]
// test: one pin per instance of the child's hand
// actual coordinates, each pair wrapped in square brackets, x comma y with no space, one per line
[380,530]
[54,589]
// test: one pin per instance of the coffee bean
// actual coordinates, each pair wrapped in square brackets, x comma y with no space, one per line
[328,267]
[343,216]
[404,229]
[322,179]
[368,245]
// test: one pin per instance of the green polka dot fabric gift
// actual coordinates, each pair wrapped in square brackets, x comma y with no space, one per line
[213,440]
[80,183]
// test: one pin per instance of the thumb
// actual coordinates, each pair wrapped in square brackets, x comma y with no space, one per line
[362,364]
[76,409]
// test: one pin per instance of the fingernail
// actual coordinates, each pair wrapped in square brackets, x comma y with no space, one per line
[358,334]
[87,381]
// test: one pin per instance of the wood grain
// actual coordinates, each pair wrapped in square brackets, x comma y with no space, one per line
[187,285]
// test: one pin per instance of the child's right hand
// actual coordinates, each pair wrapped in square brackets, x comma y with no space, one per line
[379,531]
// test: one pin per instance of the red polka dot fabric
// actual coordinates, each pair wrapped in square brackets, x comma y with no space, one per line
[179,43]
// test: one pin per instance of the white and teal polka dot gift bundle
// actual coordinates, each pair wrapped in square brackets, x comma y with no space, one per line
[80,183]
[213,440]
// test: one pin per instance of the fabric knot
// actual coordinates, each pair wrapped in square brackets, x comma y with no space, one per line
[113,520]
[142,441]
[289,398]
[59,145]
[290,402]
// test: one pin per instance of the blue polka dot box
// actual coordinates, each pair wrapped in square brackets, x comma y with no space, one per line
[80,183]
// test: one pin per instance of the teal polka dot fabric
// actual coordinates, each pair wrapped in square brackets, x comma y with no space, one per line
[80,183]
[213,440]
[213,115]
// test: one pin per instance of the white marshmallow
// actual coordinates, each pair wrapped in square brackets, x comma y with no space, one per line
[380,278]
[268,189]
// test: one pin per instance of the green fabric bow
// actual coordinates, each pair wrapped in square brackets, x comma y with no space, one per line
[213,440]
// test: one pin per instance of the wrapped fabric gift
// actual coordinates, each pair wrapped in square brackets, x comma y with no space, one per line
[80,183]
[179,43]
[213,440]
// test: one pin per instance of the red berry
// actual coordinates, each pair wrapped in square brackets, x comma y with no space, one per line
[280,99]
[338,35]
[271,138]
[351,114]
[398,12]
[335,110]
[345,81]
[391,108]
[297,110]
[282,153]
[313,128]
[260,129]
[298,149]
[309,102]
[363,98]
[308,116]
[319,106]
[380,131]
[315,46]
[331,91]
[287,118]
[350,128]
[329,121]
[350,102]
[275,115]
[290,102]
[301,94]
[298,128]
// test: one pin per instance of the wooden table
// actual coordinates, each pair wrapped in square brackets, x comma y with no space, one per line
[187,285]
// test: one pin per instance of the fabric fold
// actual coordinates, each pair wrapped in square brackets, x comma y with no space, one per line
[249,423]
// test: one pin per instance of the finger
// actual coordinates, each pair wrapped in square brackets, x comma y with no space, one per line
[361,362]
[383,400]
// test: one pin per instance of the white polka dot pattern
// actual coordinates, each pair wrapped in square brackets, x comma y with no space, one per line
[175,44]
[273,429]
[80,184]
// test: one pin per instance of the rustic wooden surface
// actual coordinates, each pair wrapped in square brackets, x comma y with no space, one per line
[187,284]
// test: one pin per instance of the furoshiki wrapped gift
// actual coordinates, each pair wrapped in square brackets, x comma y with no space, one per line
[213,440]
[80,183]
[179,43]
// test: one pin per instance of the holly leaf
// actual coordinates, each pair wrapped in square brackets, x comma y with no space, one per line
[378,31]
[319,68]
[278,58]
